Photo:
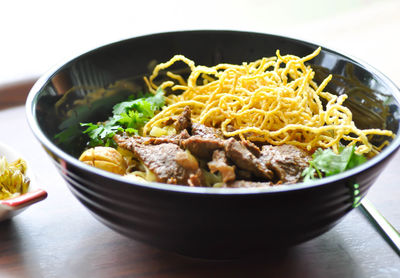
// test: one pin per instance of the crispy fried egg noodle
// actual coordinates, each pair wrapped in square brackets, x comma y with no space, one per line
[273,100]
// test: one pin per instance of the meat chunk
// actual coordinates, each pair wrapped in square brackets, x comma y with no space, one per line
[182,135]
[174,139]
[245,160]
[184,121]
[204,141]
[202,147]
[253,148]
[219,164]
[248,184]
[287,161]
[207,132]
[167,161]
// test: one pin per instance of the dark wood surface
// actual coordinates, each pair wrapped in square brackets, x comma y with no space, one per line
[58,237]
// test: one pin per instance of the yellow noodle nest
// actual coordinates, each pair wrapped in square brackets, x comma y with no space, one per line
[272,100]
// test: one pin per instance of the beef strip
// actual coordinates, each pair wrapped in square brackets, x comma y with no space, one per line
[243,174]
[174,139]
[245,160]
[206,131]
[167,161]
[204,141]
[219,164]
[247,184]
[253,148]
[287,161]
[184,121]
[202,147]
[182,135]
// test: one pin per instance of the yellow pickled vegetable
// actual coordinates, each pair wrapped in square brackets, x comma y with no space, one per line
[13,181]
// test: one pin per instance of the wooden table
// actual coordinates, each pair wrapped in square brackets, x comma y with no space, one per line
[58,237]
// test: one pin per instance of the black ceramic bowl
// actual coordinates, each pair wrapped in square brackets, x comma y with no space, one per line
[204,222]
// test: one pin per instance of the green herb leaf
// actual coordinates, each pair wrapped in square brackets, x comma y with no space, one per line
[327,162]
[146,105]
[128,116]
[157,100]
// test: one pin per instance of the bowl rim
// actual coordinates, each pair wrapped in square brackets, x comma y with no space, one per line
[44,79]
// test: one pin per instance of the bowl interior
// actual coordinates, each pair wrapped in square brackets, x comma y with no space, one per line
[85,88]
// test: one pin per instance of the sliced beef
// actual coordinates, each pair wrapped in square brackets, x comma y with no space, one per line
[204,141]
[245,160]
[243,174]
[182,135]
[124,137]
[253,148]
[219,164]
[167,161]
[184,121]
[287,161]
[169,121]
[202,147]
[174,139]
[206,131]
[159,140]
[248,184]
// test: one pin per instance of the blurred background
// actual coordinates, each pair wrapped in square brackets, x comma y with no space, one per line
[35,35]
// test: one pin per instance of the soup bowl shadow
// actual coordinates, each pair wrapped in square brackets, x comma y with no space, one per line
[192,221]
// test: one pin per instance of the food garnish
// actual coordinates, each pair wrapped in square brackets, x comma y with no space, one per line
[128,116]
[327,163]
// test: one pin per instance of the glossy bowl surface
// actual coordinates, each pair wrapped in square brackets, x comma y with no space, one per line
[205,222]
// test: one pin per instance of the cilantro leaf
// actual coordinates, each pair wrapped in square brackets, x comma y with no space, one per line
[356,160]
[146,105]
[101,134]
[128,116]
[157,100]
[327,163]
